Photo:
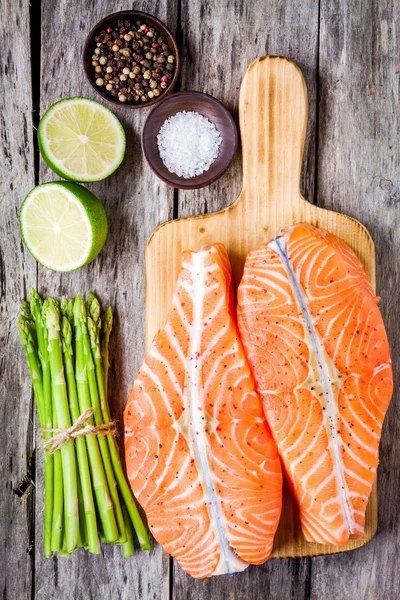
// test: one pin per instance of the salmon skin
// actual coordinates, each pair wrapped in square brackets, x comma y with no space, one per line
[318,350]
[200,457]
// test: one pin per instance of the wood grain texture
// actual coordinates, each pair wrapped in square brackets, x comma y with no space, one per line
[273,118]
[17,273]
[135,203]
[358,173]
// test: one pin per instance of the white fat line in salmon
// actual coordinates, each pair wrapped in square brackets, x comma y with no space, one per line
[195,430]
[332,417]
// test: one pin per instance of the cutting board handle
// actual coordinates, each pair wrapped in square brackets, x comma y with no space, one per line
[273,120]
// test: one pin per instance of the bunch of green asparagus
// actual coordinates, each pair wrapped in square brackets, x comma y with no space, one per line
[86,496]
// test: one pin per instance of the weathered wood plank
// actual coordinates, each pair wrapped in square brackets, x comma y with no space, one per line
[17,273]
[135,202]
[219,41]
[359,158]
[276,579]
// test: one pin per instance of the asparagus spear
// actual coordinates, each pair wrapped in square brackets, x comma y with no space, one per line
[100,485]
[81,450]
[129,547]
[51,317]
[99,361]
[80,310]
[107,323]
[28,336]
[59,519]
[50,469]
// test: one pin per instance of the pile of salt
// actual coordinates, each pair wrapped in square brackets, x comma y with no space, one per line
[188,144]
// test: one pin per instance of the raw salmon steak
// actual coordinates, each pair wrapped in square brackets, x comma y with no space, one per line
[317,347]
[200,457]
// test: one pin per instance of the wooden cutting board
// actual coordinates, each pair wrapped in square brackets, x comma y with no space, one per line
[273,120]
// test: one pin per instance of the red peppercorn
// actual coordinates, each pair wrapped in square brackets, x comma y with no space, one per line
[146,29]
[160,88]
[109,30]
[165,79]
[155,45]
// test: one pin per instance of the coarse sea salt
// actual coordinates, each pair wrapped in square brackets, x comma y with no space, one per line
[188,143]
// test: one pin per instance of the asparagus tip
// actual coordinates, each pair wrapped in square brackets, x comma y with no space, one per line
[107,321]
[51,317]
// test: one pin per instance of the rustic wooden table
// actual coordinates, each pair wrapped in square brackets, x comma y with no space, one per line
[348,52]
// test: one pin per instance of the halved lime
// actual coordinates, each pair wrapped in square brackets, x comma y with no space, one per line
[63,225]
[81,140]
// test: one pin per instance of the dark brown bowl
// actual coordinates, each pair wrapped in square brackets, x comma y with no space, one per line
[110,21]
[205,105]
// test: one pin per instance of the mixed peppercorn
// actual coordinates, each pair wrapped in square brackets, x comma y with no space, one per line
[133,61]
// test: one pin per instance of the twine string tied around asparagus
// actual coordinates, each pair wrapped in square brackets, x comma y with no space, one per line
[77,429]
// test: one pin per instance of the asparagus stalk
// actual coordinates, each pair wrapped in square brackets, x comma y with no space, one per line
[103,500]
[81,313]
[107,323]
[81,450]
[47,423]
[51,316]
[28,336]
[100,360]
[129,547]
[59,520]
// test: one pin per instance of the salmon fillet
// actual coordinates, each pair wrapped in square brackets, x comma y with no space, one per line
[318,350]
[200,457]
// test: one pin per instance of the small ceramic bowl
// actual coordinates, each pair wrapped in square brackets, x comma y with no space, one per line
[208,107]
[110,21]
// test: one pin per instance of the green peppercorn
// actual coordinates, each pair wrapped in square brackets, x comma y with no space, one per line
[150,94]
[156,92]
[171,58]
[147,74]
[144,98]
[153,84]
